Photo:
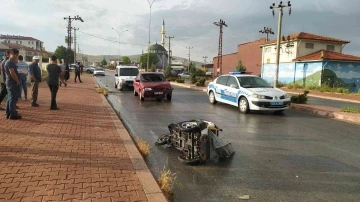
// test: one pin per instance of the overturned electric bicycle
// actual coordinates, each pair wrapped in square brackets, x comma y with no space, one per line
[196,140]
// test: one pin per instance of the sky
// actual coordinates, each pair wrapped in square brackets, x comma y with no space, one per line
[189,21]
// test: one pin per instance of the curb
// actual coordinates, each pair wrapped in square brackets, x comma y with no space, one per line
[341,116]
[324,97]
[151,187]
[348,117]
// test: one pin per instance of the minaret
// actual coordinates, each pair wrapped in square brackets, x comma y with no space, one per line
[163,34]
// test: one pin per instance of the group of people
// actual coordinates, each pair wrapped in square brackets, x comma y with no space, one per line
[14,73]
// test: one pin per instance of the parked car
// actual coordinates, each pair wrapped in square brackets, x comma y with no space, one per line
[99,71]
[124,76]
[90,69]
[152,85]
[72,67]
[248,92]
[184,75]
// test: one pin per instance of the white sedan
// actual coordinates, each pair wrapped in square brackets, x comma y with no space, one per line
[99,71]
[248,92]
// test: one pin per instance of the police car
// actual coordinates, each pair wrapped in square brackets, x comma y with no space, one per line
[248,92]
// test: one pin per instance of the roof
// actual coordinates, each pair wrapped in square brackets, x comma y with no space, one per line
[6,36]
[304,35]
[327,55]
[227,54]
[256,41]
[19,46]
[157,47]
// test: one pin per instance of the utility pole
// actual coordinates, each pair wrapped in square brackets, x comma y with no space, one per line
[69,41]
[280,7]
[205,58]
[221,23]
[75,43]
[267,31]
[148,55]
[189,57]
[169,55]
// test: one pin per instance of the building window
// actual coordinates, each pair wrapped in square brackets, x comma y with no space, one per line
[32,42]
[267,50]
[268,60]
[309,45]
[330,47]
[20,42]
[17,42]
[28,42]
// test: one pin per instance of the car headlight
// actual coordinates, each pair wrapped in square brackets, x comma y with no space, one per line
[258,96]
[148,89]
[287,96]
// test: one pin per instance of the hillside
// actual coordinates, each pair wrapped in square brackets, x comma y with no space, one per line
[98,58]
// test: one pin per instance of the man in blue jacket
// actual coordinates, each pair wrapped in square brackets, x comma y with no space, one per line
[35,73]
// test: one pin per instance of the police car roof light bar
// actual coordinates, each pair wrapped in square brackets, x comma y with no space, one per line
[239,72]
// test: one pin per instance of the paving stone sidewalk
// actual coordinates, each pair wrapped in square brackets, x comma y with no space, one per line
[74,154]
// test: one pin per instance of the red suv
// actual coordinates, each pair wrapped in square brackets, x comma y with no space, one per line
[152,85]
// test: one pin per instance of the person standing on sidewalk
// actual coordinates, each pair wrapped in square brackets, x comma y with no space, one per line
[63,71]
[3,91]
[77,72]
[54,73]
[23,70]
[35,73]
[12,85]
[67,72]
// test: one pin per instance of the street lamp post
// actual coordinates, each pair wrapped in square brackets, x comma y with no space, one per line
[148,54]
[119,33]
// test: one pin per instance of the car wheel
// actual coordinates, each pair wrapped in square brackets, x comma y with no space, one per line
[135,93]
[212,98]
[168,97]
[140,96]
[115,86]
[244,105]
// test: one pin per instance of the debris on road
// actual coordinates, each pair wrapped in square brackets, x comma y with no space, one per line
[245,197]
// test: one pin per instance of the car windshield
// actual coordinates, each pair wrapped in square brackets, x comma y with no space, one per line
[152,78]
[253,82]
[129,71]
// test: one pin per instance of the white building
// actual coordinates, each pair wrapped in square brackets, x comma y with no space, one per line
[298,45]
[23,40]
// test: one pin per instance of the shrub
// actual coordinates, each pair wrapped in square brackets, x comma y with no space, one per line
[143,147]
[170,78]
[294,86]
[201,82]
[167,181]
[102,90]
[300,99]
[350,109]
[180,80]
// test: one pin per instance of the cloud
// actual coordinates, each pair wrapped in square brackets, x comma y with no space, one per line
[190,21]
[347,75]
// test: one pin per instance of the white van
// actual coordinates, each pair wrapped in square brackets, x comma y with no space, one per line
[124,76]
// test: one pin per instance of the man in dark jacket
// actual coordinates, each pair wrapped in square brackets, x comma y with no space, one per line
[77,72]
[3,91]
[54,73]
[35,73]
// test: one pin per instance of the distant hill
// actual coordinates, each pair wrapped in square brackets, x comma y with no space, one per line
[98,58]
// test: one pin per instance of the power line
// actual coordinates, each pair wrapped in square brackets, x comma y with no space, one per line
[205,58]
[112,40]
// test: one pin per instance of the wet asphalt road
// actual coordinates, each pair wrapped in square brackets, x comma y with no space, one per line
[291,157]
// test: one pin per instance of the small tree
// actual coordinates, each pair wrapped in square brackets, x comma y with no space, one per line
[167,71]
[152,69]
[125,60]
[103,62]
[240,66]
[192,73]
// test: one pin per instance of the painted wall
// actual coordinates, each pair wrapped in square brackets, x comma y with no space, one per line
[333,73]
[229,63]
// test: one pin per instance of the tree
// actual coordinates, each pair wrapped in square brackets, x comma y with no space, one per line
[167,71]
[61,53]
[240,66]
[153,59]
[192,69]
[152,69]
[125,60]
[103,62]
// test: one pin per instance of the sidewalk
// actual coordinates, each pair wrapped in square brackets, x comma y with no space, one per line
[80,153]
[324,111]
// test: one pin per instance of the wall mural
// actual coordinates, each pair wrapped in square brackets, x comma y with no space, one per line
[336,74]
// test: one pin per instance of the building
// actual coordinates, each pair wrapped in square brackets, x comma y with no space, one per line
[162,55]
[23,40]
[250,55]
[311,60]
